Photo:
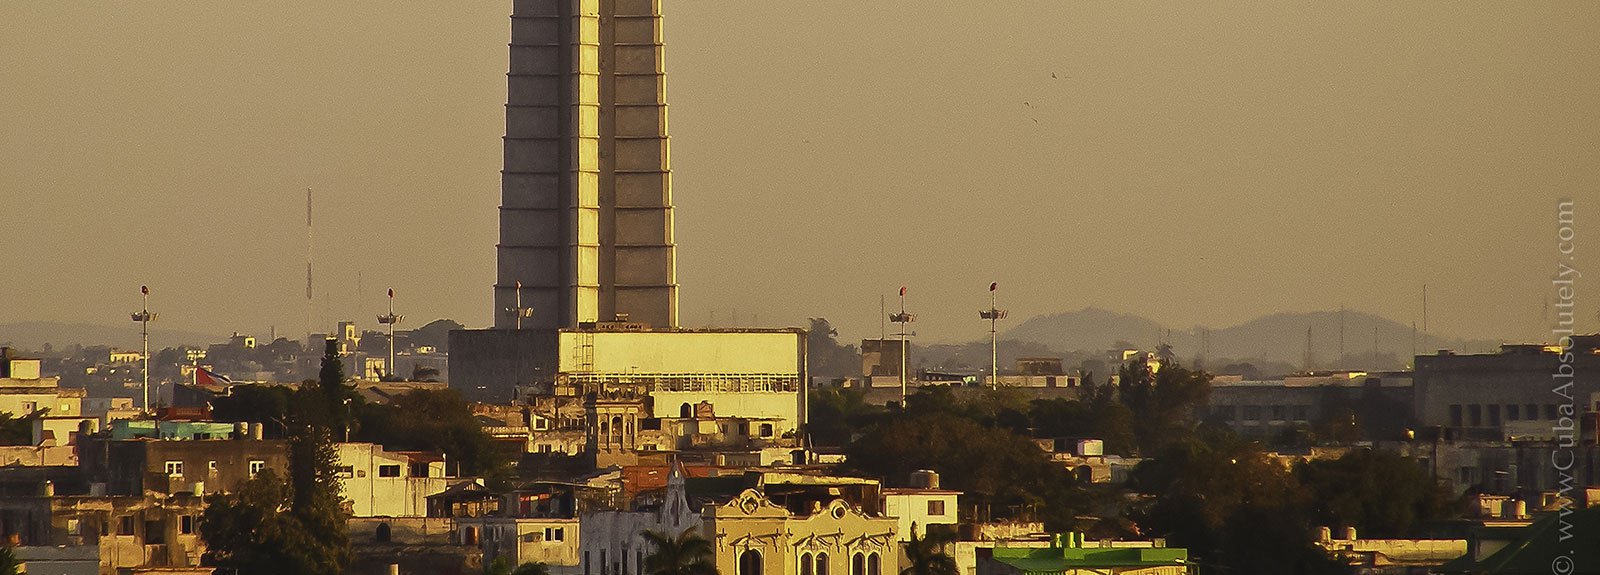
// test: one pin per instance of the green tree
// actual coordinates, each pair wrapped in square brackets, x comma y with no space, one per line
[1165,403]
[298,527]
[251,533]
[9,564]
[503,566]
[687,553]
[1379,492]
[434,420]
[15,430]
[995,466]
[264,404]
[1235,507]
[837,413]
[926,555]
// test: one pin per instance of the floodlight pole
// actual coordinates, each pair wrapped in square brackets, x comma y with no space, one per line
[993,315]
[903,318]
[390,319]
[144,317]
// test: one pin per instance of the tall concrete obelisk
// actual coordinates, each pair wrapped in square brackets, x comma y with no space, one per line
[586,189]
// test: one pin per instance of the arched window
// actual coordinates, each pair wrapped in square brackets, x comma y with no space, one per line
[616,430]
[874,564]
[858,564]
[822,563]
[750,562]
[685,411]
[470,536]
[805,564]
[605,430]
[383,534]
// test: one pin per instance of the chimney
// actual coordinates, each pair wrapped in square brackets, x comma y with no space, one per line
[1350,534]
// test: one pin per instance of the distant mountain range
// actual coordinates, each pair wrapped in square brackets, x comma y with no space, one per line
[33,335]
[1277,337]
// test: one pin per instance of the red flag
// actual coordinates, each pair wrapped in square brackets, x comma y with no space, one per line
[391,293]
[144,290]
[902,291]
[994,285]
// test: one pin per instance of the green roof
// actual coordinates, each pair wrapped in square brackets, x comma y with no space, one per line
[1061,559]
[1538,547]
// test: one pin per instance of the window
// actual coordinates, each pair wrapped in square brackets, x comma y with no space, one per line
[750,562]
[936,507]
[1280,413]
[559,534]
[186,524]
[419,469]
[1455,416]
[1513,412]
[30,406]
[384,533]
[1252,413]
[125,525]
[211,466]
[1494,415]
[1301,413]
[874,564]
[806,566]
[346,471]
[1550,411]
[1226,412]
[174,468]
[388,471]
[858,564]
[257,466]
[585,563]
[1530,411]
[1474,415]
[822,563]
[544,448]
[766,430]
[549,534]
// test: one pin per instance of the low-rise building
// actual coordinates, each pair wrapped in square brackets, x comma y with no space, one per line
[381,483]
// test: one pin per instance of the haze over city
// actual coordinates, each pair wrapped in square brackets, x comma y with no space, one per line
[1195,165]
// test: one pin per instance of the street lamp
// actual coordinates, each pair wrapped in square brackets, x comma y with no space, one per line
[516,310]
[144,317]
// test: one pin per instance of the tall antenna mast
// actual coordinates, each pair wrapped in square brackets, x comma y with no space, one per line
[1308,349]
[883,314]
[1424,316]
[310,303]
[993,315]
[1342,364]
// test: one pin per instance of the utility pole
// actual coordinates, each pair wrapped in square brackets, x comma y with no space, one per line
[310,303]
[1342,363]
[144,317]
[1424,317]
[903,318]
[389,319]
[993,315]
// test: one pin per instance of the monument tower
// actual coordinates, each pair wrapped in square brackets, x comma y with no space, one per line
[586,189]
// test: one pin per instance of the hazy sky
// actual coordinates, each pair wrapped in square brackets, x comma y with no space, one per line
[1197,163]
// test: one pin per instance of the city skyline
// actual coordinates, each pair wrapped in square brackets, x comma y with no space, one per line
[1380,167]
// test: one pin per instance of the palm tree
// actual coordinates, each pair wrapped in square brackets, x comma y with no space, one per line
[9,564]
[926,556]
[686,554]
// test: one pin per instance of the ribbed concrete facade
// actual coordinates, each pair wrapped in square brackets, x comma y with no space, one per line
[586,201]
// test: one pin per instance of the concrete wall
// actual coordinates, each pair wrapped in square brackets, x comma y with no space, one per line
[735,352]
[911,510]
[1490,385]
[487,364]
[785,407]
[372,495]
